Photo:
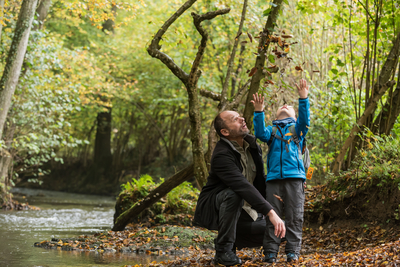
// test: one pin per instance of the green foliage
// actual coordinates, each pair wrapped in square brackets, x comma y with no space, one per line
[377,164]
[177,206]
[142,185]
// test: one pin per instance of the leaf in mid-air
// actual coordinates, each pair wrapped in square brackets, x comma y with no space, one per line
[253,70]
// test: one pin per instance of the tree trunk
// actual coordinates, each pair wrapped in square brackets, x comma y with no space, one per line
[189,80]
[387,69]
[6,161]
[15,58]
[152,197]
[102,146]
[389,112]
[372,104]
[42,11]
[260,61]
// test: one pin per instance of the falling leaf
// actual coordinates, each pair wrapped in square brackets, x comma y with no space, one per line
[315,70]
[299,68]
[253,71]
[244,42]
[288,134]
[250,37]
[287,49]
[279,198]
[280,42]
[240,33]
[286,36]
[301,133]
[310,173]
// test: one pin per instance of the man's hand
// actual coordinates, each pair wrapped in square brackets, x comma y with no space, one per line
[279,226]
[258,102]
[302,88]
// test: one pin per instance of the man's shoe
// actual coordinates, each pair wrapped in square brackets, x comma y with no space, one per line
[227,258]
[292,257]
[270,257]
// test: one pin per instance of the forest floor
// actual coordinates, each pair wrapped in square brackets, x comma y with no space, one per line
[357,228]
[342,243]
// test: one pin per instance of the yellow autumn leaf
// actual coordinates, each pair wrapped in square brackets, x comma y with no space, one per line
[288,134]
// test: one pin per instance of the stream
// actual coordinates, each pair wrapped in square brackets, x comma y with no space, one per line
[62,215]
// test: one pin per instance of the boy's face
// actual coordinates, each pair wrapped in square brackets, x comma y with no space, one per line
[285,112]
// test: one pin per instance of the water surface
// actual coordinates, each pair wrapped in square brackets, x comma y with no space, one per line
[62,215]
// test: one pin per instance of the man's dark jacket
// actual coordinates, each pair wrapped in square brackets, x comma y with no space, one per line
[226,171]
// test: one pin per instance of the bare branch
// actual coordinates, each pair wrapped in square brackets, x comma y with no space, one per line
[211,95]
[238,97]
[154,47]
[197,20]
[232,57]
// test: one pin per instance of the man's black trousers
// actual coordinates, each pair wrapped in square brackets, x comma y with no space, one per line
[236,228]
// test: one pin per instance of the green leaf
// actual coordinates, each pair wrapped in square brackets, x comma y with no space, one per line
[266,12]
[271,58]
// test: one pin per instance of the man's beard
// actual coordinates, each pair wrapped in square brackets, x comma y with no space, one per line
[240,133]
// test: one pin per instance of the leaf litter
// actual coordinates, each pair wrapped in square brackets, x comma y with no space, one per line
[351,244]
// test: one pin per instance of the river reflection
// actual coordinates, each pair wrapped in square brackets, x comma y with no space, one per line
[62,215]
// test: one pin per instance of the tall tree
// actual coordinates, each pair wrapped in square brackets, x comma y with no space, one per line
[15,58]
[189,80]
[261,58]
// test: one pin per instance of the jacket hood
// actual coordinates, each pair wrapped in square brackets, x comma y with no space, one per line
[282,123]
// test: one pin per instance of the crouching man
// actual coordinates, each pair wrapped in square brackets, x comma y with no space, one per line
[234,195]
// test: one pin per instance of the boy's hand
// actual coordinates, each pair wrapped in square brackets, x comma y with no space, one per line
[258,102]
[303,88]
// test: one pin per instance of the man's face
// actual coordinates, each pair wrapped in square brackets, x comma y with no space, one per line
[285,112]
[235,125]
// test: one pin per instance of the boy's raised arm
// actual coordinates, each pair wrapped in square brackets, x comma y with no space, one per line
[303,120]
[260,131]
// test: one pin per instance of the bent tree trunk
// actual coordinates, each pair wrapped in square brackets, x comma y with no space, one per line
[15,58]
[390,111]
[356,128]
[388,68]
[152,197]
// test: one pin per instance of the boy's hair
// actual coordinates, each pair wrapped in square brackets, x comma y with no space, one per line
[219,124]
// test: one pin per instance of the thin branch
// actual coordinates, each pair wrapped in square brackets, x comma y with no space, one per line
[366,10]
[154,47]
[232,57]
[238,97]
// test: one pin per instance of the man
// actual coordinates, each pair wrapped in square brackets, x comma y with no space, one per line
[236,177]
[285,170]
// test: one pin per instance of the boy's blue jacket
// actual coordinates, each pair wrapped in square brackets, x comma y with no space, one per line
[281,164]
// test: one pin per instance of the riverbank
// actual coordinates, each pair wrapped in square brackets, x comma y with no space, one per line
[337,244]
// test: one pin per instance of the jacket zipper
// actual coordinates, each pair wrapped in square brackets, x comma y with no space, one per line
[281,160]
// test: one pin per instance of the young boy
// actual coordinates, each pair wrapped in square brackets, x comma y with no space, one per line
[286,174]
